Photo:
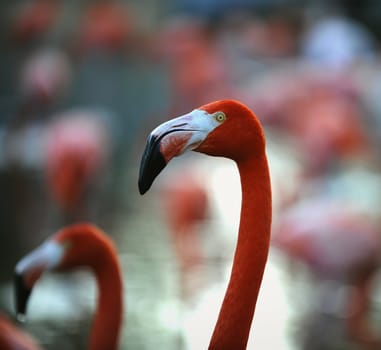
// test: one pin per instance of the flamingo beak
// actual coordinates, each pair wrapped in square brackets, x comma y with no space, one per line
[30,268]
[169,140]
[152,163]
[22,294]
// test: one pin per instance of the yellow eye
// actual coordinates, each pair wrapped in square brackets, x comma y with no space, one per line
[66,244]
[220,116]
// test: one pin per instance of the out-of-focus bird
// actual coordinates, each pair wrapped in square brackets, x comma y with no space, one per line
[329,126]
[12,338]
[225,128]
[42,81]
[198,70]
[322,113]
[337,242]
[76,152]
[79,246]
[185,208]
[105,25]
[34,19]
[44,77]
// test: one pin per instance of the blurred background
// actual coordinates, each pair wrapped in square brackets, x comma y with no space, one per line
[82,85]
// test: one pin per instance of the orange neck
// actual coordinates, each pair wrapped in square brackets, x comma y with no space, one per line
[108,318]
[236,314]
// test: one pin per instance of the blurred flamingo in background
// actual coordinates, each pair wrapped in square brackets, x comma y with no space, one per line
[186,207]
[106,25]
[12,338]
[77,148]
[329,123]
[45,77]
[338,243]
[198,71]
[34,19]
[322,114]
[79,246]
[42,82]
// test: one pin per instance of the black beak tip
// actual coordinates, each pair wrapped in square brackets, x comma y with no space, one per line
[143,187]
[22,294]
[152,163]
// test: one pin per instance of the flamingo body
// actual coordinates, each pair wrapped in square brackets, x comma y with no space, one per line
[186,201]
[12,338]
[45,76]
[34,19]
[76,150]
[186,205]
[331,238]
[105,25]
[337,243]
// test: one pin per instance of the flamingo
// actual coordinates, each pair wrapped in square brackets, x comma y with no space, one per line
[338,243]
[105,25]
[186,206]
[197,69]
[44,79]
[12,338]
[77,150]
[34,19]
[229,129]
[79,245]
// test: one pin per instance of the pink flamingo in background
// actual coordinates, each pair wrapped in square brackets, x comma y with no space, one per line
[225,128]
[198,70]
[77,246]
[34,19]
[77,148]
[186,205]
[12,338]
[106,25]
[322,113]
[44,78]
[339,243]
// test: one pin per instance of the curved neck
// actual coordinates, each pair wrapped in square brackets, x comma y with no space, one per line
[236,314]
[108,318]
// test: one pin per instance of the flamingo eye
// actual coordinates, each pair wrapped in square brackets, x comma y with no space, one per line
[66,245]
[220,116]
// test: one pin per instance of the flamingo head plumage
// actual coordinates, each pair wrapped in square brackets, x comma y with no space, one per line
[225,128]
[73,246]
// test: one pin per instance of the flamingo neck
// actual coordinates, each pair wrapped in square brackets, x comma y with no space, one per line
[12,337]
[108,317]
[237,311]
